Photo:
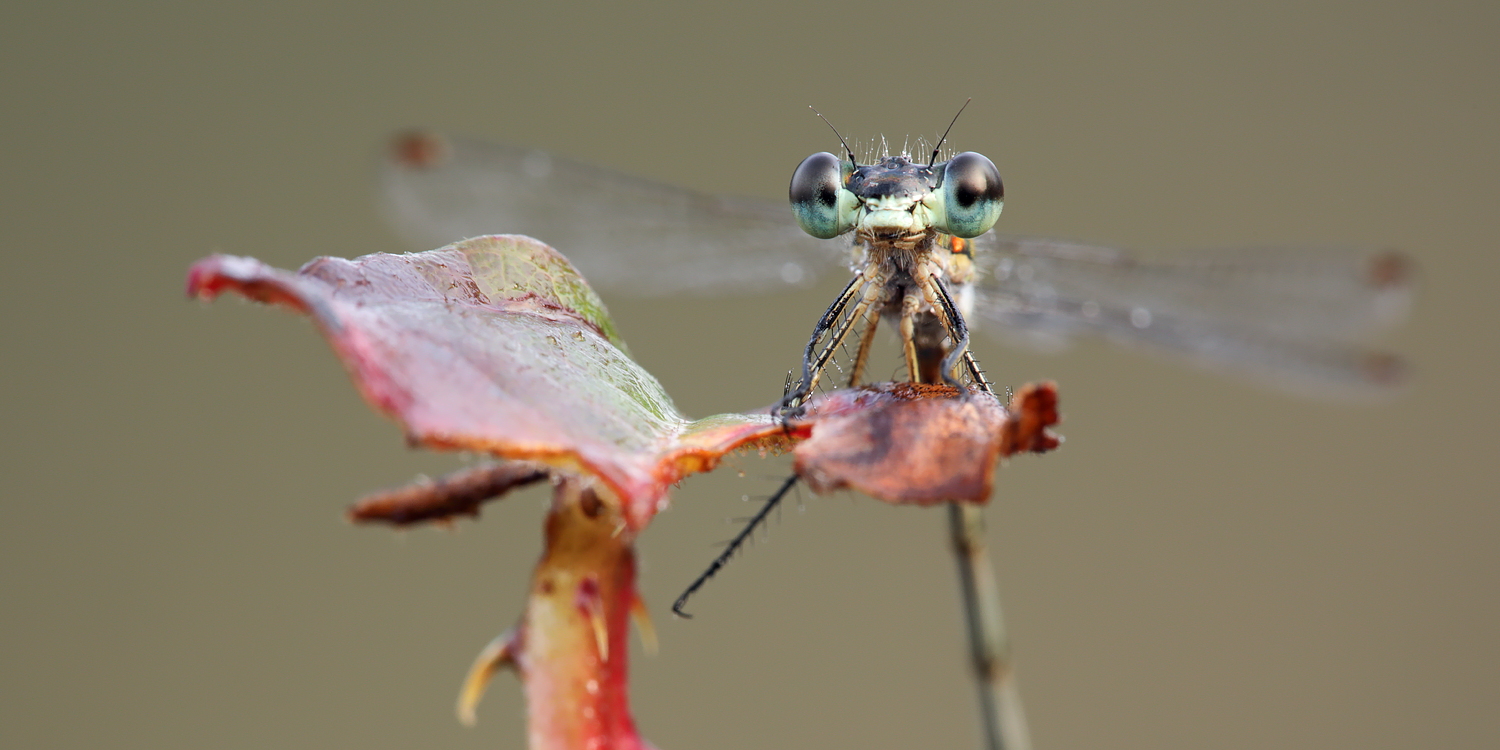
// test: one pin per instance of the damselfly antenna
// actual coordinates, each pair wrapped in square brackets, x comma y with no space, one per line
[939,145]
[734,544]
[835,130]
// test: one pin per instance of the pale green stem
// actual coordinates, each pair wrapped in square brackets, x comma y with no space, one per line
[1003,721]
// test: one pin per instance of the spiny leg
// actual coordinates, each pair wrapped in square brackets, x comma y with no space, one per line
[812,365]
[812,369]
[792,397]
[874,293]
[962,350]
[734,544]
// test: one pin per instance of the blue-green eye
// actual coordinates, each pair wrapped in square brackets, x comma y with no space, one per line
[818,197]
[972,195]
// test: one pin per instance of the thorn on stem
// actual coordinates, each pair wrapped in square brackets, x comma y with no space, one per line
[498,653]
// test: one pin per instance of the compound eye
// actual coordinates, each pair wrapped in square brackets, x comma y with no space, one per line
[816,196]
[972,195]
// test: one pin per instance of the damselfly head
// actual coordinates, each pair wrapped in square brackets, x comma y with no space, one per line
[896,197]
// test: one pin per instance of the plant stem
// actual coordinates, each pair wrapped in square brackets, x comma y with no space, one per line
[1003,721]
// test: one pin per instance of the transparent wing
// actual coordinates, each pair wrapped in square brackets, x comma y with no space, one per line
[1294,318]
[623,233]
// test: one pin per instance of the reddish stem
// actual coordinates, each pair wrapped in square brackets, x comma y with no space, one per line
[457,494]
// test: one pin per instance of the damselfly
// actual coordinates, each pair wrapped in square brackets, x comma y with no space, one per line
[1290,317]
[910,224]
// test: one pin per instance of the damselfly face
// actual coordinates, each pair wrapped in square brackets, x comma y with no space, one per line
[895,200]
[1291,317]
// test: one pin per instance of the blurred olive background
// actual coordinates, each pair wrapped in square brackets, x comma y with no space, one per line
[1203,565]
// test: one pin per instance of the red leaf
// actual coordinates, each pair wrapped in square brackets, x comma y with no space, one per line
[495,344]
[920,444]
